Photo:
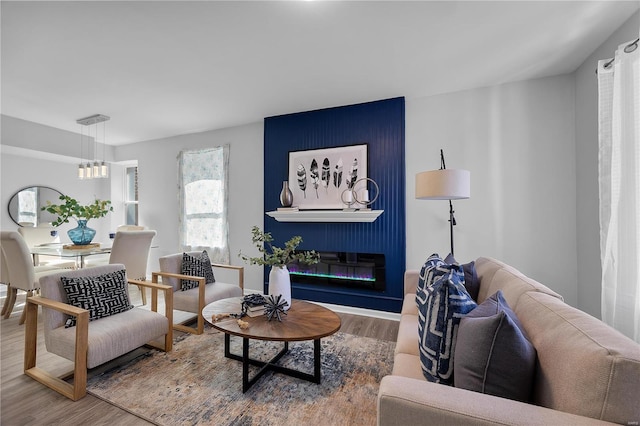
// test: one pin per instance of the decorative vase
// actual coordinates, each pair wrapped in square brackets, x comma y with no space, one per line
[82,234]
[280,283]
[286,196]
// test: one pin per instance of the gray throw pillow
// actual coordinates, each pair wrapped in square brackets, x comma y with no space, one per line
[440,307]
[493,354]
[102,295]
[196,267]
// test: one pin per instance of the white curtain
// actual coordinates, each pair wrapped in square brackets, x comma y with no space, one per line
[619,182]
[203,199]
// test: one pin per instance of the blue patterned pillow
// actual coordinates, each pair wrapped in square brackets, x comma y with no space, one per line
[427,271]
[102,295]
[440,308]
[197,267]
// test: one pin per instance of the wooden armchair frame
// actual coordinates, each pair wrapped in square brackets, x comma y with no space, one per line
[201,294]
[78,389]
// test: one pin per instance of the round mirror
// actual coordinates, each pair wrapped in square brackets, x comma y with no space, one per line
[25,205]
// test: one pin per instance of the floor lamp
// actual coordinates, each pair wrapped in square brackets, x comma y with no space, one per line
[444,184]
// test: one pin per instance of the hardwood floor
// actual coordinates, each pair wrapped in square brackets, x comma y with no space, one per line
[23,401]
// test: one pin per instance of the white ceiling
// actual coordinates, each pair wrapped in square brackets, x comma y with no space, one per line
[160,69]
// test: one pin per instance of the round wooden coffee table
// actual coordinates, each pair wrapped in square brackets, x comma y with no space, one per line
[304,321]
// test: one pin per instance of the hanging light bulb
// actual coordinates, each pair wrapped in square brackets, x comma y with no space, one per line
[88,171]
[104,170]
[81,166]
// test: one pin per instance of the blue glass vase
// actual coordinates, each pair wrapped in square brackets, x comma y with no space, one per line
[82,234]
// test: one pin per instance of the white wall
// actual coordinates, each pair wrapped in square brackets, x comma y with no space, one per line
[518,142]
[158,203]
[587,220]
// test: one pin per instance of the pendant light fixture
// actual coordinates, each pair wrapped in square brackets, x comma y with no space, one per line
[97,169]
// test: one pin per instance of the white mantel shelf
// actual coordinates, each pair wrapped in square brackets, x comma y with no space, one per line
[325,216]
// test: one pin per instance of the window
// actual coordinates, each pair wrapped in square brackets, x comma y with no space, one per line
[27,206]
[131,196]
[203,201]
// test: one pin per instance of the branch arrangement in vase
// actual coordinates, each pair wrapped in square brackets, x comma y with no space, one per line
[72,209]
[277,256]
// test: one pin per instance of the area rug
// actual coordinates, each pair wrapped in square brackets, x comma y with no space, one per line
[196,384]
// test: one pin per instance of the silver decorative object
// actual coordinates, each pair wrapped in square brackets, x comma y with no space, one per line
[286,196]
[350,196]
[274,307]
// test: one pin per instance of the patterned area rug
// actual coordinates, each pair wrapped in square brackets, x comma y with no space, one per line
[196,384]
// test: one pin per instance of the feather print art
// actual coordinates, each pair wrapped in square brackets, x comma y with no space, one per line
[313,171]
[337,174]
[302,179]
[353,174]
[326,174]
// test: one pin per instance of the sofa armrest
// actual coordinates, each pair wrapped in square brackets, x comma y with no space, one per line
[411,281]
[404,401]
[73,391]
[239,269]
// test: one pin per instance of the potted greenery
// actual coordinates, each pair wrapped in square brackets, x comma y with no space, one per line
[70,208]
[278,258]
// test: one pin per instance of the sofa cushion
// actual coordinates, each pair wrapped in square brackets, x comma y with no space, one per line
[196,266]
[471,280]
[601,377]
[102,295]
[493,355]
[440,307]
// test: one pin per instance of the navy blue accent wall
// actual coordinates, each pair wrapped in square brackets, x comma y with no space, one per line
[380,124]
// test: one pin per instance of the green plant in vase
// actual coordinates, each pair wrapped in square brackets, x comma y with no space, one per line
[71,209]
[278,258]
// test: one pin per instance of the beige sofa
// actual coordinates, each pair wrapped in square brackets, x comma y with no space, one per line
[586,372]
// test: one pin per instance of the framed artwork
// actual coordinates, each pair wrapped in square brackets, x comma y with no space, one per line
[318,177]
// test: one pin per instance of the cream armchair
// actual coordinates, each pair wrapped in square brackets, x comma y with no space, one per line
[196,299]
[90,344]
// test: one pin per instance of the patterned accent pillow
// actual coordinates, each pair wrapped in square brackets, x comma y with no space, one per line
[102,295]
[198,267]
[440,308]
[493,354]
[428,271]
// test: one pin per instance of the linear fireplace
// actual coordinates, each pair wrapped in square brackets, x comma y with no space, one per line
[343,269]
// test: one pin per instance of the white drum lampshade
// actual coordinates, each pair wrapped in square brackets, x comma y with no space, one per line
[443,184]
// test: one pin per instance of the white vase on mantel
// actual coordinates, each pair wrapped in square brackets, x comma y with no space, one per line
[280,283]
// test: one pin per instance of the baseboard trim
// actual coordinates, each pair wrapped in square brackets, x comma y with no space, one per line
[361,311]
[351,310]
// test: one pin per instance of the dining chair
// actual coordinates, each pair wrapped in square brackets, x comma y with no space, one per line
[130,248]
[98,335]
[41,234]
[9,299]
[130,228]
[22,275]
[195,299]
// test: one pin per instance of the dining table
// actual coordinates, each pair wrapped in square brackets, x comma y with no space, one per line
[64,251]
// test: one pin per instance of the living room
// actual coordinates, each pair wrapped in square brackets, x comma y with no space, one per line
[530,144]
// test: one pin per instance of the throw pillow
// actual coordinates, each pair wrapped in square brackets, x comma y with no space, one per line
[440,308]
[434,267]
[197,267]
[102,295]
[493,355]
[471,281]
